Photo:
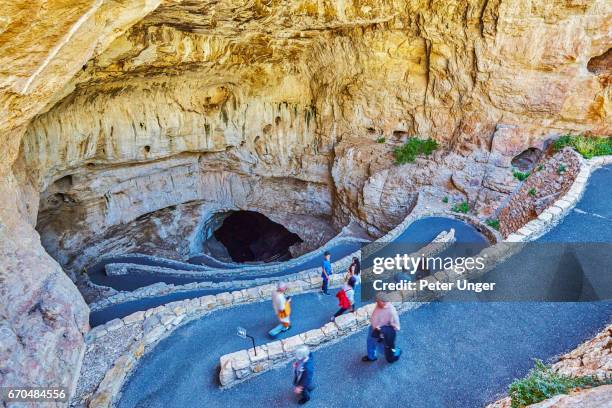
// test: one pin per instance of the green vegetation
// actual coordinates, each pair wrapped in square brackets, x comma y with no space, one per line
[588,147]
[412,148]
[532,192]
[539,168]
[561,169]
[445,200]
[380,140]
[542,383]
[520,176]
[493,223]
[462,207]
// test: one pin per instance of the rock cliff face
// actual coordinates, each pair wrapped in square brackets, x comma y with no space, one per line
[111,110]
[591,358]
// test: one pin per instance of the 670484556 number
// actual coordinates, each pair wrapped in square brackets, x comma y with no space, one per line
[34,394]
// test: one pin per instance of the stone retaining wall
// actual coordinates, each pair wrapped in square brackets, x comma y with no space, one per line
[152,331]
[164,289]
[545,184]
[145,322]
[157,323]
[243,364]
[161,288]
[108,390]
[557,210]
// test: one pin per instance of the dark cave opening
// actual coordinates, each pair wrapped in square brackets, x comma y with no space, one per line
[601,64]
[527,159]
[250,236]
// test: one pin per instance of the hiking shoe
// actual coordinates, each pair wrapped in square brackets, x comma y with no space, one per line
[367,359]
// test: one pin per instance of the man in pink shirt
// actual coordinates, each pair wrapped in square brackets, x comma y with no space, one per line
[384,320]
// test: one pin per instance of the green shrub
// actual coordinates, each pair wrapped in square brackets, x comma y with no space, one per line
[542,383]
[539,168]
[445,200]
[588,147]
[380,140]
[462,207]
[532,192]
[561,169]
[412,148]
[520,176]
[493,223]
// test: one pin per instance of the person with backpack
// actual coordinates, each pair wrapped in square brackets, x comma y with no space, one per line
[282,307]
[354,270]
[346,298]
[326,271]
[303,370]
[384,325]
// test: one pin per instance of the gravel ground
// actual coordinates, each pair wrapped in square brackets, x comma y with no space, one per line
[99,357]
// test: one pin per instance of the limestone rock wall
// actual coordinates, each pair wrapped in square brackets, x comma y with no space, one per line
[82,215]
[42,315]
[153,119]
[268,90]
[591,358]
[598,397]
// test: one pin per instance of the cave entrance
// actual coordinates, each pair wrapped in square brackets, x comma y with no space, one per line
[601,64]
[250,236]
[526,160]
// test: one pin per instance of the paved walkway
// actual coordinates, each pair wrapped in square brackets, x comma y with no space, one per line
[132,282]
[418,234]
[455,354]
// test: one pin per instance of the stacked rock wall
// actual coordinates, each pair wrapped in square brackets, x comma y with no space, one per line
[545,184]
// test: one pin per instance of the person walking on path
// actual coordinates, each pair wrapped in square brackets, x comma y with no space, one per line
[346,298]
[352,282]
[326,271]
[282,306]
[354,270]
[384,320]
[303,371]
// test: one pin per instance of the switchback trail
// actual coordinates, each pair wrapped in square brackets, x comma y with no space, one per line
[456,354]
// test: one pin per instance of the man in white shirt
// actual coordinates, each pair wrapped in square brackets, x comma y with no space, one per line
[384,314]
[282,305]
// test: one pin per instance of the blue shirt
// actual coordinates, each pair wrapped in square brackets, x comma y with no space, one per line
[327,267]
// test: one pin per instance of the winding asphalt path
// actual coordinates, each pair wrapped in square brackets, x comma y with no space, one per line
[416,235]
[122,282]
[132,282]
[456,354]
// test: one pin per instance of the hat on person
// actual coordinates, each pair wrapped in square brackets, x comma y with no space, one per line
[301,352]
[281,286]
[382,296]
[326,253]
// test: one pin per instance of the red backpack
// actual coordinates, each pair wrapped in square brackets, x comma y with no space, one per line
[344,302]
